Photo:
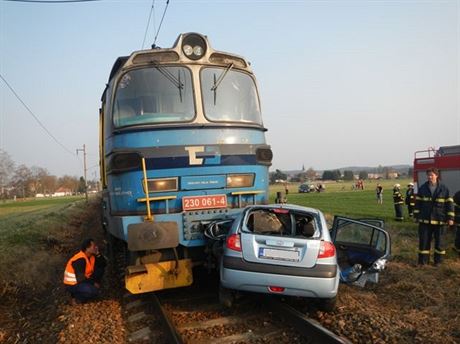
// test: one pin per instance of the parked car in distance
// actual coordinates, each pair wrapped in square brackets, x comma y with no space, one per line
[303,188]
[289,250]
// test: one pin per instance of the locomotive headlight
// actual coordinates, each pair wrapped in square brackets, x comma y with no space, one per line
[188,50]
[264,156]
[240,180]
[162,185]
[194,46]
[197,50]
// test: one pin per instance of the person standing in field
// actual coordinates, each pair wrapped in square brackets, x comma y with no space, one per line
[434,208]
[410,199]
[379,192]
[398,201]
[457,221]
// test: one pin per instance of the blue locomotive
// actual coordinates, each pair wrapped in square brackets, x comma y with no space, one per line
[182,145]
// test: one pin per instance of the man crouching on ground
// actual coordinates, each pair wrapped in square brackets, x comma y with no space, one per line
[84,271]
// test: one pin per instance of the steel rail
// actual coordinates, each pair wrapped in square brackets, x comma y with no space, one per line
[307,327]
[172,334]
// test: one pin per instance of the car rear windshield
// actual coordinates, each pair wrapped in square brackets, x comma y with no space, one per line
[281,222]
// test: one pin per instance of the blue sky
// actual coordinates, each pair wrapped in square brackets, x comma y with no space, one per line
[341,82]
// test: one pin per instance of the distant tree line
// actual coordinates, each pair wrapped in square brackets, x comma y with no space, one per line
[347,175]
[23,181]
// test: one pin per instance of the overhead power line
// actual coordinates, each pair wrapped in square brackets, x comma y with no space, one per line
[51,1]
[35,117]
[161,22]
[148,22]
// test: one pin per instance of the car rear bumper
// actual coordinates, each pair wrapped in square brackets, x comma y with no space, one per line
[320,281]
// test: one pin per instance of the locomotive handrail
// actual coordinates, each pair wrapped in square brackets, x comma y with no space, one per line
[159,198]
[146,188]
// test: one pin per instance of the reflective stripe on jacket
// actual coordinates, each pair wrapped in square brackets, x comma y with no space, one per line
[410,197]
[398,197]
[70,278]
[434,209]
[457,207]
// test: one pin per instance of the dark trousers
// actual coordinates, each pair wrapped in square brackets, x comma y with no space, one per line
[425,234]
[399,212]
[84,291]
[410,210]
[457,239]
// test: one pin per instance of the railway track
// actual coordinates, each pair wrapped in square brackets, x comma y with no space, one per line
[194,315]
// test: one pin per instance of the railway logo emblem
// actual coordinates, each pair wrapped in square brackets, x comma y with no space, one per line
[209,155]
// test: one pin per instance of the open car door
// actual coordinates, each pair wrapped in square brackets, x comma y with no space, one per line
[363,248]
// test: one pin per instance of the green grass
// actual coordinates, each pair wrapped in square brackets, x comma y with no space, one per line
[30,222]
[339,199]
[28,231]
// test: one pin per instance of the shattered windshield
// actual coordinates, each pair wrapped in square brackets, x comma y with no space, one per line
[154,95]
[229,96]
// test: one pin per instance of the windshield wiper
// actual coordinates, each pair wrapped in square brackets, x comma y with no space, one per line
[217,83]
[175,81]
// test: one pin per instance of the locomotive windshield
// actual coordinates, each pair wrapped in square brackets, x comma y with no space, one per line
[154,95]
[229,96]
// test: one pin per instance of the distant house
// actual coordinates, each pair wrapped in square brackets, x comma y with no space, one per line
[62,192]
[393,175]
[39,195]
[375,176]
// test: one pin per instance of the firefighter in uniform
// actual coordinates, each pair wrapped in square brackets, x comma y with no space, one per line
[434,208]
[83,272]
[410,199]
[457,221]
[398,201]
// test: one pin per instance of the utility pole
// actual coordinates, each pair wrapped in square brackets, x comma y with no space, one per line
[84,166]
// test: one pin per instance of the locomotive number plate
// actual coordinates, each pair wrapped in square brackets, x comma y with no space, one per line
[204,202]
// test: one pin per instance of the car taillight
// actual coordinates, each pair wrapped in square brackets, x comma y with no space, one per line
[326,250]
[234,242]
[274,289]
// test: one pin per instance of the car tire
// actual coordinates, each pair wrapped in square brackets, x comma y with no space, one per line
[327,305]
[226,297]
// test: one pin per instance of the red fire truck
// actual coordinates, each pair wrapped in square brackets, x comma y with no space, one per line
[445,159]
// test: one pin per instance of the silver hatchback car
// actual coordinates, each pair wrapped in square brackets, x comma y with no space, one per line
[289,250]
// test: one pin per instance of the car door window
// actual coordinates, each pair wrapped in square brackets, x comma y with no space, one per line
[354,233]
[363,233]
[379,241]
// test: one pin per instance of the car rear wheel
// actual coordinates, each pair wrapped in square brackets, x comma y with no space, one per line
[226,297]
[327,305]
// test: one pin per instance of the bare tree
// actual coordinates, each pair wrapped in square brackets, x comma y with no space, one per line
[21,181]
[68,182]
[6,170]
[311,174]
[49,184]
[36,182]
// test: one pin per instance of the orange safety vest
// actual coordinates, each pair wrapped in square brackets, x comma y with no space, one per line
[69,274]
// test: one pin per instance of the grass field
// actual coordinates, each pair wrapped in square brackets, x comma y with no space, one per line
[22,222]
[27,228]
[340,199]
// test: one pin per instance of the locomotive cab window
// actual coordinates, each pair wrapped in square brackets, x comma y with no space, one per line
[229,96]
[154,95]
